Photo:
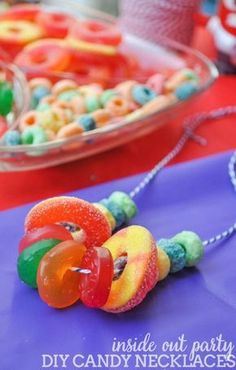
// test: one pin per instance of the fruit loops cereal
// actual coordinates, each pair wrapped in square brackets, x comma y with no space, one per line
[66,109]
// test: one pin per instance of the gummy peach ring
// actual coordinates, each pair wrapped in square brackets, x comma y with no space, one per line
[21,32]
[73,210]
[140,273]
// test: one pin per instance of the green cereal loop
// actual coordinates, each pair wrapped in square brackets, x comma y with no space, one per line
[191,75]
[92,103]
[175,252]
[125,202]
[43,107]
[34,135]
[68,95]
[107,95]
[192,245]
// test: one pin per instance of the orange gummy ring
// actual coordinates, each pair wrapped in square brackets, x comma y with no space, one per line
[45,57]
[57,284]
[74,210]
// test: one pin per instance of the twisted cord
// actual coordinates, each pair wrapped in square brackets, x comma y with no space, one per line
[190,125]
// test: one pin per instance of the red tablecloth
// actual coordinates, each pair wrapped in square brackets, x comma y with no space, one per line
[137,156]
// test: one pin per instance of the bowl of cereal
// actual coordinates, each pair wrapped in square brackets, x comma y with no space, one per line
[100,91]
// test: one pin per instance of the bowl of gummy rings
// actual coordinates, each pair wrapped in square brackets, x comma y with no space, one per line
[88,86]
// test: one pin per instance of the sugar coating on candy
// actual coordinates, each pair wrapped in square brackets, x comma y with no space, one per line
[140,273]
[163,263]
[107,214]
[125,202]
[175,252]
[192,245]
[115,210]
[29,260]
[71,209]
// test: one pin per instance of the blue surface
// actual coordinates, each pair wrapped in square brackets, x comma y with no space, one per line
[197,302]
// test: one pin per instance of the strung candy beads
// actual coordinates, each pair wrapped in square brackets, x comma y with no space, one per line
[46,232]
[95,287]
[29,260]
[113,273]
[74,210]
[192,245]
[163,263]
[140,273]
[175,252]
[121,206]
[183,250]
[57,283]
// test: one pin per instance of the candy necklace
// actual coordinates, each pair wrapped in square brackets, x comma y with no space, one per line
[68,251]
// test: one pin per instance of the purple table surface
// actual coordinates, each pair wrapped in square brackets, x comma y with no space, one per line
[199,303]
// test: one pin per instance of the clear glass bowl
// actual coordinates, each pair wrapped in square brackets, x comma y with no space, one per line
[172,56]
[16,78]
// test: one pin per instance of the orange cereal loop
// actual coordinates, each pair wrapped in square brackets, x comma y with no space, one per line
[29,119]
[102,117]
[72,129]
[78,105]
[50,135]
[63,85]
[118,106]
[50,99]
[40,81]
[125,89]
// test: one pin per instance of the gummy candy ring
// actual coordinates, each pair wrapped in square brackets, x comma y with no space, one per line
[96,32]
[21,32]
[73,210]
[44,57]
[55,24]
[21,12]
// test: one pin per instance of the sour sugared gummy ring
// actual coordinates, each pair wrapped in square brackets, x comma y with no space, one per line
[140,273]
[44,57]
[20,32]
[73,210]
[57,284]
[20,12]
[55,24]
[96,32]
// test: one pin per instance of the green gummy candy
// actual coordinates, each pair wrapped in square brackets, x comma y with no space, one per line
[6,99]
[29,260]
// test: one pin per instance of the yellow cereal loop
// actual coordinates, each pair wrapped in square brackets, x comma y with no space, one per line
[107,214]
[163,264]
